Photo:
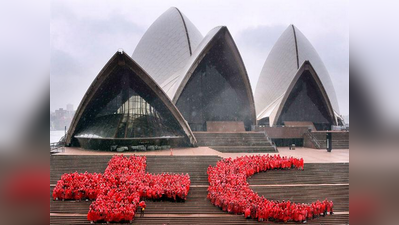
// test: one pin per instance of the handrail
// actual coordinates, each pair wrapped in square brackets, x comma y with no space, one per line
[313,140]
[270,140]
[56,147]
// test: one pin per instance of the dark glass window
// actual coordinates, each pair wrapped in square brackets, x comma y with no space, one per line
[215,91]
[264,122]
[125,107]
[306,103]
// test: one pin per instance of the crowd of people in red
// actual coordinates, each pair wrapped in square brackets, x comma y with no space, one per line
[119,189]
[230,190]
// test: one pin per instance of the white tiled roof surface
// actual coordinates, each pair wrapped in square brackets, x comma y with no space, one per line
[164,48]
[281,66]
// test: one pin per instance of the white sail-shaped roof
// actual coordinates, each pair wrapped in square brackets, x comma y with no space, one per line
[291,50]
[167,45]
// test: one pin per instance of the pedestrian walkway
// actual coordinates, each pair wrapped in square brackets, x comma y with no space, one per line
[310,155]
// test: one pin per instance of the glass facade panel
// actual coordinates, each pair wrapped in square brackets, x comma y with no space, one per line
[215,91]
[306,103]
[125,107]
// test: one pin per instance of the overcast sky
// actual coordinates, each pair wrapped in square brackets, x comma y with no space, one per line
[85,34]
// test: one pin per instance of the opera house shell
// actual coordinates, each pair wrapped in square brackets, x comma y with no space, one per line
[125,106]
[294,85]
[205,77]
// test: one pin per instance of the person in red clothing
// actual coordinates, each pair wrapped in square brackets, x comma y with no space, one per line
[266,212]
[142,206]
[331,207]
[91,215]
[247,212]
[68,194]
[261,214]
[301,163]
[323,208]
[230,207]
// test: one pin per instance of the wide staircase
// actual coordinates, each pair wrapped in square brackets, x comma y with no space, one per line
[317,181]
[340,140]
[247,142]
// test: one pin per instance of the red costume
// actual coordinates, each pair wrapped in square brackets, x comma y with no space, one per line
[230,191]
[118,191]
[142,204]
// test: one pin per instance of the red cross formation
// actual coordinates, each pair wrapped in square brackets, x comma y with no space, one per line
[118,190]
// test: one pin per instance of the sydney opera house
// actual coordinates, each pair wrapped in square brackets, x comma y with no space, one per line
[179,90]
[179,83]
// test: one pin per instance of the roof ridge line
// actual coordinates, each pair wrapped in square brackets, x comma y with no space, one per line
[185,28]
[296,47]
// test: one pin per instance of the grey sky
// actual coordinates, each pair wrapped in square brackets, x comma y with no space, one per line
[24,66]
[84,35]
